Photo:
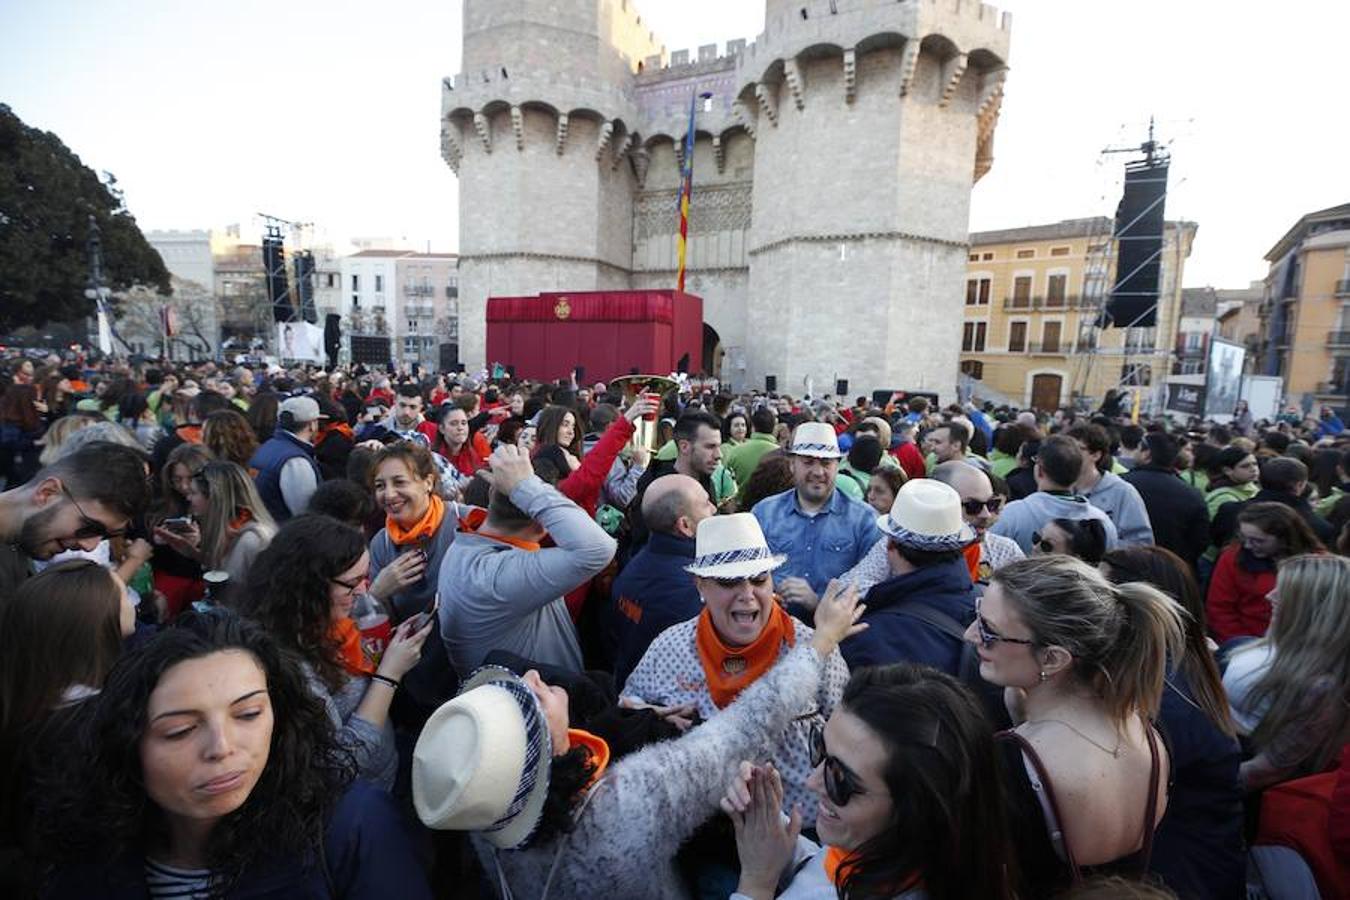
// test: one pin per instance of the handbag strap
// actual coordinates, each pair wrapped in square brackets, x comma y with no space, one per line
[505,886]
[1049,789]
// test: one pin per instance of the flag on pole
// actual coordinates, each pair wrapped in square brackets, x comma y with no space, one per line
[686,190]
[168,321]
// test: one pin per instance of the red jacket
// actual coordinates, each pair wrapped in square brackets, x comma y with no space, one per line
[1236,604]
[911,459]
[583,485]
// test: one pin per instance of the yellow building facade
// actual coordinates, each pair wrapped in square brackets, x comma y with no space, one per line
[1032,300]
[1305,319]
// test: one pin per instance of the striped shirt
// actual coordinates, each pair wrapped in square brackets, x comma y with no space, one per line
[164,882]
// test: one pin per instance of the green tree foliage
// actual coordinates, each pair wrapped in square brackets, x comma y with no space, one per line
[46,198]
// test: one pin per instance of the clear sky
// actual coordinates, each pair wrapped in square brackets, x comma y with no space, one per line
[326,112]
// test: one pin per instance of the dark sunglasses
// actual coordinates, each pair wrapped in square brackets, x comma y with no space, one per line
[89,526]
[973,507]
[840,785]
[1041,543]
[737,582]
[989,637]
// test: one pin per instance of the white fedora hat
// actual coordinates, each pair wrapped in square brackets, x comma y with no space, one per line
[815,439]
[732,547]
[926,515]
[482,761]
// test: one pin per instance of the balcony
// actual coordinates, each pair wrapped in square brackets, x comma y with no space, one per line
[1343,288]
[1054,348]
[1339,339]
[418,290]
[1049,304]
[419,310]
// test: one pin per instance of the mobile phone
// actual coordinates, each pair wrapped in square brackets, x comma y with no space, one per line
[178,524]
[420,620]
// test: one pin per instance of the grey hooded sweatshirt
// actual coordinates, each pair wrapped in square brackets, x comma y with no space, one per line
[1022,518]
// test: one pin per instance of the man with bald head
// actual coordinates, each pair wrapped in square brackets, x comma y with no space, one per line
[979,507]
[654,591]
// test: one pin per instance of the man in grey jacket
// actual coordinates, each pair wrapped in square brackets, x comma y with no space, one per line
[499,590]
[1107,491]
[1058,466]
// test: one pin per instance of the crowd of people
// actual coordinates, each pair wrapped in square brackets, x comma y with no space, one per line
[351,633]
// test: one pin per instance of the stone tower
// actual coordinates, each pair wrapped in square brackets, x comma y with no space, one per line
[832,175]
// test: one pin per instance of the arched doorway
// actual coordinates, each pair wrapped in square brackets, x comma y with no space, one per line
[712,352]
[1046,389]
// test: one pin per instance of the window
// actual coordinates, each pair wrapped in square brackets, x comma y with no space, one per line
[974,257]
[1087,336]
[1050,336]
[412,324]
[1140,340]
[1026,254]
[977,292]
[973,335]
[987,256]
[1055,287]
[356,300]
[1022,291]
[1194,339]
[973,367]
[1059,251]
[379,284]
[330,280]
[1136,374]
[1017,337]
[356,283]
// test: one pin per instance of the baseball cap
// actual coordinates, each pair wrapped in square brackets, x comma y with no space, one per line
[301,409]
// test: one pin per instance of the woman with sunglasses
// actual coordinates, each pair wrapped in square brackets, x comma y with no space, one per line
[1082,663]
[1083,539]
[303,588]
[909,801]
[741,634]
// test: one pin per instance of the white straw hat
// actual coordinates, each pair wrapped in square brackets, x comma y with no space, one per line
[732,547]
[815,439]
[926,515]
[483,759]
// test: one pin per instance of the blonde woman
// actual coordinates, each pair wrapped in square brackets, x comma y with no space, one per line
[1082,663]
[230,525]
[1290,690]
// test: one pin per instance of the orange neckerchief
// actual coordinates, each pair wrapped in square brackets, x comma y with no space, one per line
[190,433]
[472,524]
[731,670]
[835,859]
[347,636]
[423,529]
[341,428]
[972,555]
[599,750]
[245,516]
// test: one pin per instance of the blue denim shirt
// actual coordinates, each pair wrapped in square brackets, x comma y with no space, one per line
[821,546]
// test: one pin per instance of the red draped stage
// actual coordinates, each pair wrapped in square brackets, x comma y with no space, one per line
[610,333]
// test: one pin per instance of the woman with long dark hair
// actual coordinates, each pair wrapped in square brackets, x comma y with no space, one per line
[910,800]
[303,588]
[210,770]
[1198,851]
[60,634]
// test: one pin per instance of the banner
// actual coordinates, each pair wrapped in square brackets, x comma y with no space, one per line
[1223,378]
[300,341]
[1185,399]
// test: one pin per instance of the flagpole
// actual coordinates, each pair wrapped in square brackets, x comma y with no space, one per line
[687,189]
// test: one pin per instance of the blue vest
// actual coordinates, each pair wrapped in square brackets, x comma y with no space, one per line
[268,461]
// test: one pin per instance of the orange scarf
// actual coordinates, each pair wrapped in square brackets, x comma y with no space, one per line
[834,861]
[731,670]
[238,522]
[423,529]
[472,524]
[596,746]
[341,428]
[972,555]
[347,636]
